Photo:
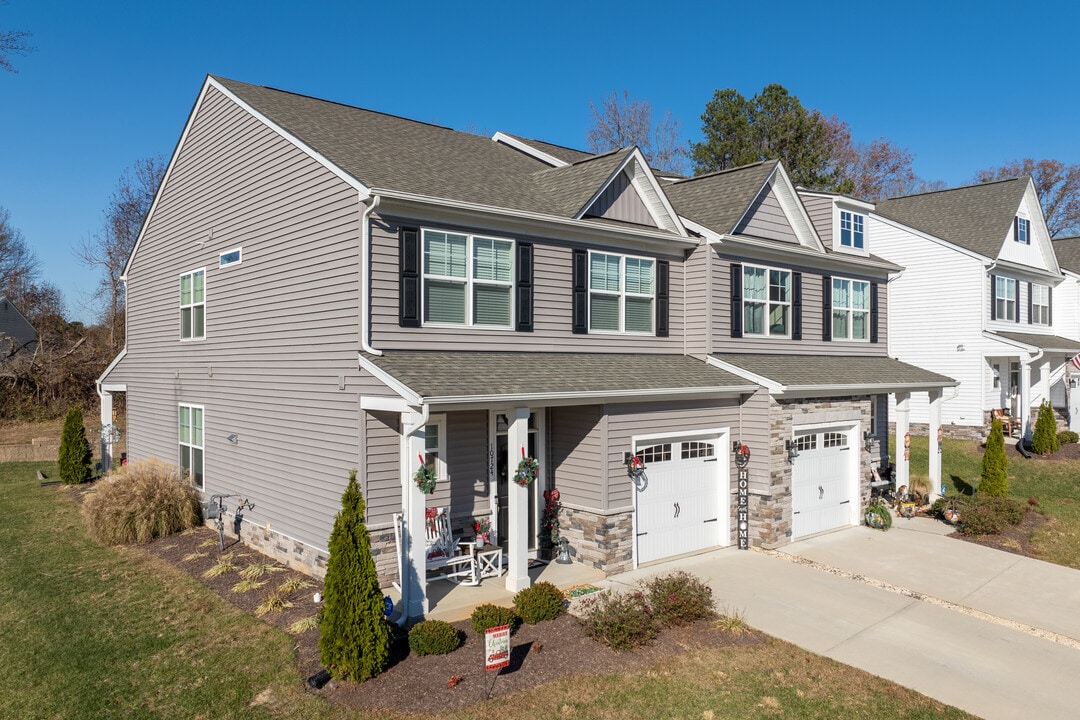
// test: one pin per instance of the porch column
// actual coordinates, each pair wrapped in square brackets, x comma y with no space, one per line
[414,583]
[517,532]
[903,427]
[1044,382]
[936,488]
[106,419]
[1025,399]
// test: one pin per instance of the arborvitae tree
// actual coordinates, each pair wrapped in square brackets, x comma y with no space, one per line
[355,638]
[1044,439]
[995,480]
[74,458]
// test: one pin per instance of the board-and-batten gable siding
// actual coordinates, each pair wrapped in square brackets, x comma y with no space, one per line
[620,201]
[812,313]
[766,219]
[575,443]
[820,210]
[698,308]
[281,326]
[552,302]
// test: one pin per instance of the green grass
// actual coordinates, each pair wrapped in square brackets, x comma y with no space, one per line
[88,631]
[1054,483]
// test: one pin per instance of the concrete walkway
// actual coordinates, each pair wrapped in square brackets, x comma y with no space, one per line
[995,634]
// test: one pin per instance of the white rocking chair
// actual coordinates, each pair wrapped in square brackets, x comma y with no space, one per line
[455,558]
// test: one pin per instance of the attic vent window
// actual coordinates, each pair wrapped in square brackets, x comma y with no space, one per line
[232,257]
[1023,230]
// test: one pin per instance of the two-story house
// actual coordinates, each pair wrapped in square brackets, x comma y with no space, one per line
[319,287]
[978,299]
[1067,323]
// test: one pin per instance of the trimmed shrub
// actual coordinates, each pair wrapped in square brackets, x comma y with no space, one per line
[981,520]
[621,621]
[1011,511]
[144,500]
[995,481]
[74,457]
[679,598]
[487,616]
[434,637]
[1067,436]
[1044,440]
[542,601]
[354,642]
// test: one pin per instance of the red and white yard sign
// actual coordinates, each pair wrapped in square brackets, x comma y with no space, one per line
[497,647]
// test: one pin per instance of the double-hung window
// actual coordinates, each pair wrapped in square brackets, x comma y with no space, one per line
[851,230]
[621,293]
[1040,304]
[193,305]
[1004,298]
[1023,231]
[191,443]
[468,280]
[766,301]
[850,309]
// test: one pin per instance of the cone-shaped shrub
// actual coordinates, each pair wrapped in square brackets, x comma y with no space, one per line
[1044,439]
[995,481]
[355,639]
[74,457]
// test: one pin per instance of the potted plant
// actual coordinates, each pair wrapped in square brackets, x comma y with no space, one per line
[482,528]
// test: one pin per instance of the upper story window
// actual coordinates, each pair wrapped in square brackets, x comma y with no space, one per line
[850,309]
[1022,231]
[193,305]
[852,234]
[1040,304]
[1004,298]
[468,280]
[231,257]
[766,301]
[621,293]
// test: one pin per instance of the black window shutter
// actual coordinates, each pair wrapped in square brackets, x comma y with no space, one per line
[796,306]
[409,290]
[993,297]
[736,300]
[1016,315]
[581,292]
[826,307]
[663,296]
[1050,305]
[1016,228]
[873,312]
[524,287]
[1030,286]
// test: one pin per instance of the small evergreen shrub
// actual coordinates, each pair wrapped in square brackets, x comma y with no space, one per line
[679,598]
[621,621]
[542,601]
[74,457]
[488,616]
[144,500]
[1044,439]
[995,480]
[1067,436]
[434,637]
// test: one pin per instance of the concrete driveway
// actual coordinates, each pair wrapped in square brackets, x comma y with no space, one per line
[995,634]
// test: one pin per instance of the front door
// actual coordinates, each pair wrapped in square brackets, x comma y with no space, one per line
[506,463]
[1014,389]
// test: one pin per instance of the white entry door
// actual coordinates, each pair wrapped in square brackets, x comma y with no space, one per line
[822,481]
[682,504]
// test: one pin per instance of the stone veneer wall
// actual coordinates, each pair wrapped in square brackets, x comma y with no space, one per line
[605,542]
[958,432]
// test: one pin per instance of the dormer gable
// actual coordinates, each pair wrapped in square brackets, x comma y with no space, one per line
[633,194]
[776,213]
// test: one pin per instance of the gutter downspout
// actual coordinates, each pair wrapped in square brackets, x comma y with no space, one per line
[365,275]
[406,501]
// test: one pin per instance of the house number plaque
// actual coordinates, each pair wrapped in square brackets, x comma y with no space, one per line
[744,508]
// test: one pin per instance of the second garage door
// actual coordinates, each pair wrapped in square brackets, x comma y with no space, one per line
[822,481]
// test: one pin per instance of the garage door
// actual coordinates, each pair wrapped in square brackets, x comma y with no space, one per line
[822,481]
[681,505]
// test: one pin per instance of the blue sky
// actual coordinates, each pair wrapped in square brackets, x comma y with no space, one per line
[963,85]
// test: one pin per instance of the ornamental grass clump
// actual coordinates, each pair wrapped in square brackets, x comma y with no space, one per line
[542,601]
[679,598]
[144,500]
[434,637]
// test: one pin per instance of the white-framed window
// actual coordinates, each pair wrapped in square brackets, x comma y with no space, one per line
[621,293]
[852,233]
[691,449]
[766,301]
[231,257]
[193,305]
[1040,304]
[997,376]
[435,446]
[468,279]
[850,309]
[1004,298]
[190,423]
[1023,231]
[834,440]
[806,442]
[655,453]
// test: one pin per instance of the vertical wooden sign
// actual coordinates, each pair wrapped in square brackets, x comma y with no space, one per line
[744,508]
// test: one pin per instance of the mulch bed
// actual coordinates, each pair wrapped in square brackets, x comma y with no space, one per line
[540,654]
[1014,538]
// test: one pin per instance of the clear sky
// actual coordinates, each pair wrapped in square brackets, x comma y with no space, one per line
[963,85]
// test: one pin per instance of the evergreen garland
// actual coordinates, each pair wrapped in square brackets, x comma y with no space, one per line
[74,458]
[995,481]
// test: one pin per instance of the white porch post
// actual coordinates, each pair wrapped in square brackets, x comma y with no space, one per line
[1044,381]
[1025,398]
[106,419]
[517,532]
[903,427]
[415,504]
[936,489]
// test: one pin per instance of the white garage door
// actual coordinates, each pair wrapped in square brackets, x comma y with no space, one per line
[682,507]
[822,481]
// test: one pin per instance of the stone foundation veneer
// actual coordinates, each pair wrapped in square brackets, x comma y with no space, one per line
[605,542]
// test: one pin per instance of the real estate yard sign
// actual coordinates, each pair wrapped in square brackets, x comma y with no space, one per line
[497,647]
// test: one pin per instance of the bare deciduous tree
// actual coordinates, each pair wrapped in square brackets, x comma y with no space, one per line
[620,122]
[18,264]
[871,171]
[1058,186]
[13,42]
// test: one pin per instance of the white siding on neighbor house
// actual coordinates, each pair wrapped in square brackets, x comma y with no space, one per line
[1066,307]
[1039,251]
[281,327]
[766,219]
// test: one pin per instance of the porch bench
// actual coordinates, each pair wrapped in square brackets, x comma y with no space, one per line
[1008,422]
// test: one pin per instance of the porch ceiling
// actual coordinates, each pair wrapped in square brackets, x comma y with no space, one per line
[1049,343]
[833,375]
[475,377]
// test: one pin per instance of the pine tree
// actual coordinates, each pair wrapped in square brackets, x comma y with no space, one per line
[355,638]
[995,480]
[74,458]
[1044,439]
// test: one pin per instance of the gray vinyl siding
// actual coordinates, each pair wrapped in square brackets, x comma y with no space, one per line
[281,327]
[553,303]
[812,315]
[766,219]
[820,210]
[382,466]
[576,443]
[698,302]
[620,201]
[467,466]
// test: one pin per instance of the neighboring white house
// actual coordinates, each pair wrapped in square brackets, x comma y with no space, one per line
[1067,322]
[980,299]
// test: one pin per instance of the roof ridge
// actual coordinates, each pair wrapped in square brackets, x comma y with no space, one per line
[725,171]
[958,187]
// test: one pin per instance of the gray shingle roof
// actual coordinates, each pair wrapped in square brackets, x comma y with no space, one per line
[464,375]
[568,155]
[1067,251]
[719,200]
[1049,343]
[856,374]
[976,217]
[573,185]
